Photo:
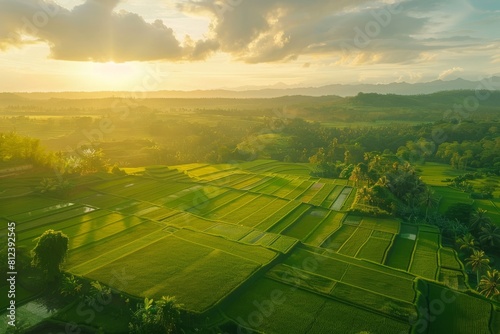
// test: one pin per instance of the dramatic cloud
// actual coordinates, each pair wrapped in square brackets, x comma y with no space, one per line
[355,31]
[342,32]
[93,31]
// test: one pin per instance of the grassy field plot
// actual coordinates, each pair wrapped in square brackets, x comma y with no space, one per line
[339,202]
[424,264]
[302,278]
[350,200]
[312,191]
[454,279]
[322,194]
[295,193]
[230,207]
[157,213]
[328,202]
[288,220]
[289,317]
[384,225]
[400,253]
[93,248]
[306,223]
[249,182]
[246,210]
[374,249]
[205,208]
[259,238]
[232,232]
[291,169]
[375,301]
[285,190]
[273,185]
[232,180]
[339,237]
[448,259]
[277,215]
[282,244]
[197,275]
[102,200]
[41,212]
[47,220]
[317,264]
[264,212]
[380,282]
[330,224]
[253,253]
[190,221]
[450,196]
[461,313]
[96,231]
[382,235]
[74,226]
[352,246]
[428,242]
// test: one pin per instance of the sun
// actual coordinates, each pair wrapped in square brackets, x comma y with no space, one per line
[115,76]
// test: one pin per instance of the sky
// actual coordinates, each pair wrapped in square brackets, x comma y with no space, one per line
[134,45]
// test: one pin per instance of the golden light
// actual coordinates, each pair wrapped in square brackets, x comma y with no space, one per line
[115,76]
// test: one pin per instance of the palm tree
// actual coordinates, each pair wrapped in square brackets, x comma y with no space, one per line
[428,201]
[490,284]
[383,182]
[479,220]
[356,175]
[364,194]
[478,261]
[490,236]
[467,243]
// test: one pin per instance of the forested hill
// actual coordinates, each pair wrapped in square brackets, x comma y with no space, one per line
[469,98]
[364,107]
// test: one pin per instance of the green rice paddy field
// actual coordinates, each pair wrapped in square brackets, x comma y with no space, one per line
[262,246]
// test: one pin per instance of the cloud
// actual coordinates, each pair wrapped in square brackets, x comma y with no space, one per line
[354,31]
[93,31]
[450,72]
[346,32]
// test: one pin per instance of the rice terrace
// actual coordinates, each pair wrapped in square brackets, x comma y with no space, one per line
[249,167]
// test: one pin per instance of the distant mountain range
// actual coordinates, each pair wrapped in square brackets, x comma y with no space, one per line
[400,88]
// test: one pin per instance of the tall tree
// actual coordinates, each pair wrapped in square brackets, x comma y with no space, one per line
[160,316]
[467,243]
[50,252]
[490,284]
[478,262]
[428,201]
[479,220]
[490,236]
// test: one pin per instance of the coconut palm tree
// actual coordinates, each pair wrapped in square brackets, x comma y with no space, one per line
[478,262]
[383,181]
[364,194]
[479,220]
[467,242]
[490,284]
[490,236]
[428,200]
